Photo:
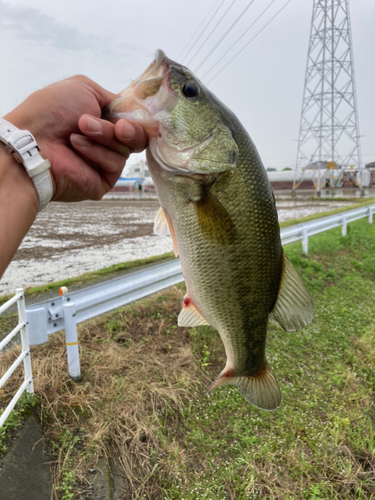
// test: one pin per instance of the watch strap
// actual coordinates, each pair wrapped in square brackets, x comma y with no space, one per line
[44,188]
[22,145]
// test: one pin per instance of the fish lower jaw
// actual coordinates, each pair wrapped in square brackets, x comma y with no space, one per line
[172,166]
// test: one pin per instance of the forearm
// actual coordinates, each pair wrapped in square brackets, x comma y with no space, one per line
[18,206]
[87,154]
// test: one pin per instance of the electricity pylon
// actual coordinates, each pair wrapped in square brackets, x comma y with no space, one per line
[328,143]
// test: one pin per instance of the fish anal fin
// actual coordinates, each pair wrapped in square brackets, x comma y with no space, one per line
[163,227]
[260,389]
[189,315]
[293,308]
[214,219]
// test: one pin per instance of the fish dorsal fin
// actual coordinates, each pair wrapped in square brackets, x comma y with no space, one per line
[214,219]
[260,389]
[163,227]
[294,308]
[189,315]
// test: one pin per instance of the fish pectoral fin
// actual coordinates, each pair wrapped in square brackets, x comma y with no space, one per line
[260,389]
[163,227]
[190,316]
[294,308]
[214,219]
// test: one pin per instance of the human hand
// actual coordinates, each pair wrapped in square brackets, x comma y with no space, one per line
[87,154]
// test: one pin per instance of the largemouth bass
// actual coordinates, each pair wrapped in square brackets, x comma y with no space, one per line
[218,206]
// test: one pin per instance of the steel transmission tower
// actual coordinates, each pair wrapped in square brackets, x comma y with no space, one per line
[329,134]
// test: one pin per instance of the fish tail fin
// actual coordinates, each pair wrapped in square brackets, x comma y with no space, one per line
[260,389]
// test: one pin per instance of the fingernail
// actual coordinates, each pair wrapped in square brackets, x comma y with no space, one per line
[93,125]
[80,141]
[128,131]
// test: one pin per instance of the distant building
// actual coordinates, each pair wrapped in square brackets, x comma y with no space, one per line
[371,168]
[139,169]
[285,179]
[148,186]
[125,184]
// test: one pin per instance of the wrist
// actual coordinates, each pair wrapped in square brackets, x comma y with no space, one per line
[18,206]
[14,181]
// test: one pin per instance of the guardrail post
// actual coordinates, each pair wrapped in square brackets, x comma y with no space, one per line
[24,341]
[72,350]
[370,214]
[344,227]
[305,240]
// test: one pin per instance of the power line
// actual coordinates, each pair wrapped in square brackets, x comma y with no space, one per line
[222,17]
[195,33]
[204,29]
[248,43]
[224,36]
[238,39]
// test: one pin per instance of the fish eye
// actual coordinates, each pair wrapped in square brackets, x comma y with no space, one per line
[190,90]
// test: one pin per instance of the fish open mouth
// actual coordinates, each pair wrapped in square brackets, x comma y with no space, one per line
[145,96]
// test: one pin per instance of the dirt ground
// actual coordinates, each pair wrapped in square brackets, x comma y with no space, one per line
[78,226]
[68,240]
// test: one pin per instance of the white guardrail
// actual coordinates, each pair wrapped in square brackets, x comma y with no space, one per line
[27,384]
[64,312]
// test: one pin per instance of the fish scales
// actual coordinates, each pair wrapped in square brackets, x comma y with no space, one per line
[253,261]
[219,208]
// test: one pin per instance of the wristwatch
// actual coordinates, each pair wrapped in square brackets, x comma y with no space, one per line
[22,145]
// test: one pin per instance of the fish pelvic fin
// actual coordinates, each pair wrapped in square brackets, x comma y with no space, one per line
[260,389]
[163,227]
[293,308]
[189,315]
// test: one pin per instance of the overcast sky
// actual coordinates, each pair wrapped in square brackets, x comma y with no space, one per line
[113,41]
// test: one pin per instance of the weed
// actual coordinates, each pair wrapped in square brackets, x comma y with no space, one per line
[206,357]
[24,407]
[66,487]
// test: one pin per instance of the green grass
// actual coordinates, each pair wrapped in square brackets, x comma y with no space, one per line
[8,430]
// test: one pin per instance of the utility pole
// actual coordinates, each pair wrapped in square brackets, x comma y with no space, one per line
[328,144]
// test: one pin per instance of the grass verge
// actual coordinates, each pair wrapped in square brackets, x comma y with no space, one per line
[141,397]
[287,223]
[132,265]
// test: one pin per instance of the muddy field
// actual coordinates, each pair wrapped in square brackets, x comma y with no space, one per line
[68,240]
